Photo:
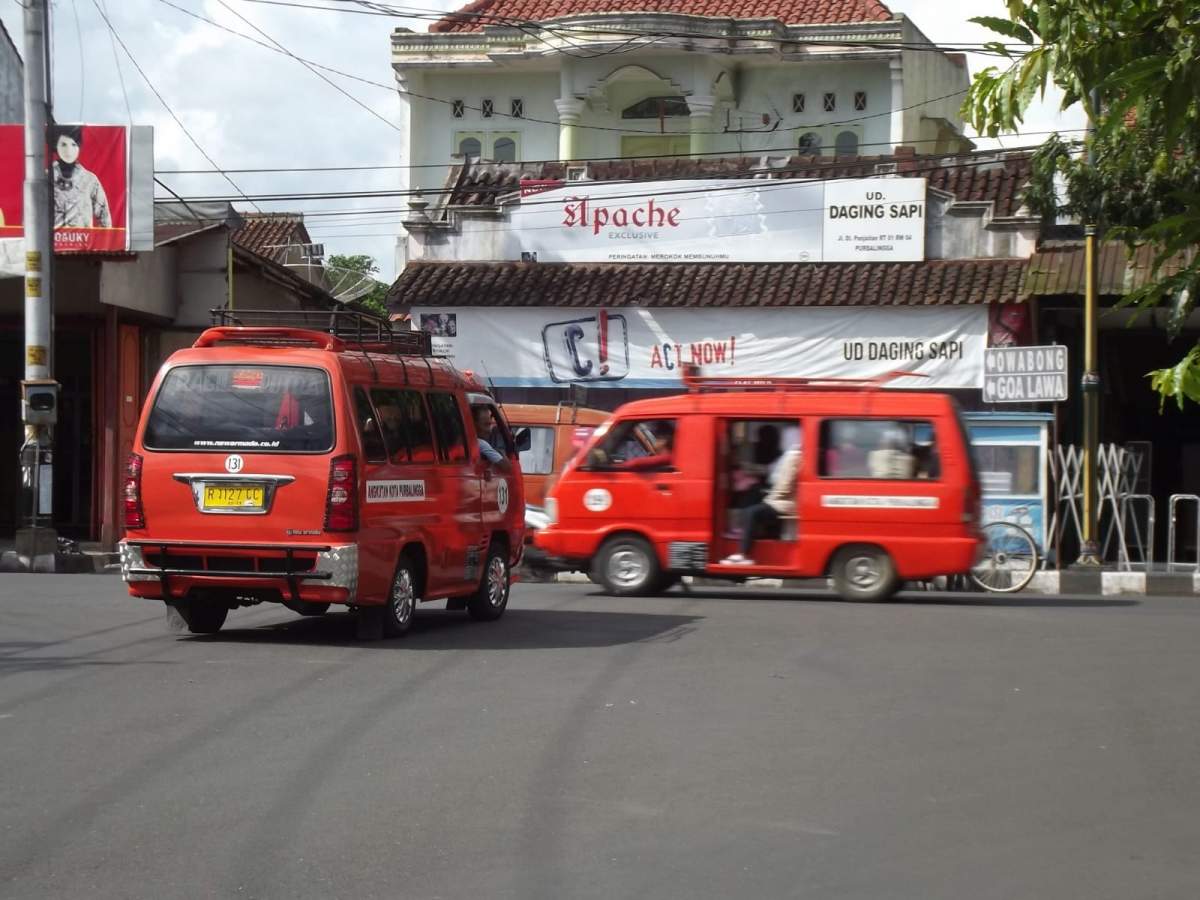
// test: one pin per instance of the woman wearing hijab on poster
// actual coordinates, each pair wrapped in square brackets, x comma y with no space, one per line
[79,198]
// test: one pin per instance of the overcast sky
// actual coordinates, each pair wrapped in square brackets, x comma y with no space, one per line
[249,107]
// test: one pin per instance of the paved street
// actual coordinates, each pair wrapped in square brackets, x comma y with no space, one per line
[718,744]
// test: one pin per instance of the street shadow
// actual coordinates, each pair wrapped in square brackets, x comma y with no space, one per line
[69,663]
[440,629]
[911,598]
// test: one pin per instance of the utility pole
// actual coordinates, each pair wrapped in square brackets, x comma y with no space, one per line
[37,541]
[1089,551]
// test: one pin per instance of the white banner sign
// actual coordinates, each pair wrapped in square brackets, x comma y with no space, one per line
[746,220]
[533,347]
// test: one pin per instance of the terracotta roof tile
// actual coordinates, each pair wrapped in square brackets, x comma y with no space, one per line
[474,16]
[267,234]
[931,282]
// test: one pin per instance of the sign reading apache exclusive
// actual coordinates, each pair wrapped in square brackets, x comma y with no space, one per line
[746,220]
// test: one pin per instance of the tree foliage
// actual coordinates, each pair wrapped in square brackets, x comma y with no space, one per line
[351,274]
[1134,65]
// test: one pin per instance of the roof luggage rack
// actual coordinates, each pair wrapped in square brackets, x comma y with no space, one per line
[695,382]
[336,329]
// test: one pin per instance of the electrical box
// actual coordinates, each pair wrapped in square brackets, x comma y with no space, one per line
[39,402]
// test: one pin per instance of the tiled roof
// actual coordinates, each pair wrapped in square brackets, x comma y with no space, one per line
[932,282]
[267,234]
[474,16]
[999,178]
[1059,268]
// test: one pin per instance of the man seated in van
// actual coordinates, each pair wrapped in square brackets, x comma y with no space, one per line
[846,458]
[660,436]
[892,458]
[763,518]
[485,424]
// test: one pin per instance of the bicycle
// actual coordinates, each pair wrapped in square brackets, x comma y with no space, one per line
[1009,560]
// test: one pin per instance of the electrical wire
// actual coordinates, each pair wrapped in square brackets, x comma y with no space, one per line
[113,31]
[120,75]
[82,70]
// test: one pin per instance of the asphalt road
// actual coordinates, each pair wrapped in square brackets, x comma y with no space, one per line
[738,744]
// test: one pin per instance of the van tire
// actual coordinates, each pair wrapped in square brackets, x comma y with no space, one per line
[491,597]
[864,573]
[202,614]
[402,599]
[627,566]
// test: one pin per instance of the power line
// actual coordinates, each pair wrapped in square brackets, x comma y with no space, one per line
[113,31]
[120,75]
[531,162]
[522,118]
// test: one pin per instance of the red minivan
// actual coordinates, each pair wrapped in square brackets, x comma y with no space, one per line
[311,468]
[881,488]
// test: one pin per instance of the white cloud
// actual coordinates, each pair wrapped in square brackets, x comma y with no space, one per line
[253,108]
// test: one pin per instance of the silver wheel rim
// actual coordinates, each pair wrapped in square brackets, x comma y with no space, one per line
[864,572]
[628,567]
[497,581]
[402,597]
[1009,559]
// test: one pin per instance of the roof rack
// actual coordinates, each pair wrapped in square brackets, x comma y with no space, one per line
[695,382]
[346,329]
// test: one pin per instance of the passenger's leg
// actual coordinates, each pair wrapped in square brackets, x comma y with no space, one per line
[759,518]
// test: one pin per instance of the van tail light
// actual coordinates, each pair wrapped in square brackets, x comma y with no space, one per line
[341,503]
[135,516]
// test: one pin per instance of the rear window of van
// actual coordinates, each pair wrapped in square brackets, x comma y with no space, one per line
[274,409]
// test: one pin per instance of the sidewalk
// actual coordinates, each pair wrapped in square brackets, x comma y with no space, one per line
[73,557]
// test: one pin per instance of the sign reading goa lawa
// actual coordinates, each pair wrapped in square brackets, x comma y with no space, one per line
[638,347]
[745,220]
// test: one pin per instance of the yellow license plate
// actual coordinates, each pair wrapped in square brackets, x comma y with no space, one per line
[233,496]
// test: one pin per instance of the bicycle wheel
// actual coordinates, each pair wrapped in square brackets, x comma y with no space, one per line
[1009,560]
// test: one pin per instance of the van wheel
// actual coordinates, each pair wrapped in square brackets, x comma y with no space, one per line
[628,567]
[864,573]
[491,598]
[402,600]
[202,614]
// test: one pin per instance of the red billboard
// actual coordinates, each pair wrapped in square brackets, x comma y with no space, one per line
[90,183]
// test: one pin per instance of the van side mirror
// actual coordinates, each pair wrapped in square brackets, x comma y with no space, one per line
[523,439]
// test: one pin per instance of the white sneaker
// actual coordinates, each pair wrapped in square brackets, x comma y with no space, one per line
[737,560]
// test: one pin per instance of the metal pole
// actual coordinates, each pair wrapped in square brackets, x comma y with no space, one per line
[1089,551]
[39,250]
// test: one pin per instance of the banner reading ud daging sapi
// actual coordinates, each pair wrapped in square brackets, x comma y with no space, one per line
[746,220]
[640,347]
[89,169]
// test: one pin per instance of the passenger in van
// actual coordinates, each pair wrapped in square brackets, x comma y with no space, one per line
[485,423]
[892,459]
[750,476]
[764,518]
[662,437]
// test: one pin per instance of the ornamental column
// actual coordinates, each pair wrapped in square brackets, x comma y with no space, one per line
[570,111]
[700,113]
[897,118]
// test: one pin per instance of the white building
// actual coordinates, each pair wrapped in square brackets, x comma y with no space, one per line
[507,80]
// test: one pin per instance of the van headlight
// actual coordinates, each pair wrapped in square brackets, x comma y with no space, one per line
[551,509]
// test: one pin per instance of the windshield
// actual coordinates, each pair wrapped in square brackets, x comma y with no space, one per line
[280,409]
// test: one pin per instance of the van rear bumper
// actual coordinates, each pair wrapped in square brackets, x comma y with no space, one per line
[319,573]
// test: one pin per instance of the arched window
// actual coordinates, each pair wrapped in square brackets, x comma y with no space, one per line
[470,147]
[653,107]
[810,144]
[846,144]
[504,150]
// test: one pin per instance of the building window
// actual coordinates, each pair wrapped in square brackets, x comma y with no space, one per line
[846,144]
[797,103]
[860,100]
[487,108]
[518,108]
[830,102]
[810,144]
[656,108]
[504,150]
[458,109]
[470,147]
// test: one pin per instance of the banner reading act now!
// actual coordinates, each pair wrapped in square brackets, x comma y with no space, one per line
[89,168]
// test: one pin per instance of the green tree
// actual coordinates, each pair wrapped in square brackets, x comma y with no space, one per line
[1134,66]
[352,277]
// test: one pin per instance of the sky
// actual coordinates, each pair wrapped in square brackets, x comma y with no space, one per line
[249,107]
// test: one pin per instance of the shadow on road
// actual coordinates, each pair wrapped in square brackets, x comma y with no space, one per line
[434,629]
[910,598]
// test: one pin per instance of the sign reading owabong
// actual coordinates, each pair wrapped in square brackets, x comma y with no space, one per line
[746,220]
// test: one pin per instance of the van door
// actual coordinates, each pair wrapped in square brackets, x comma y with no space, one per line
[457,559]
[375,537]
[498,479]
[649,475]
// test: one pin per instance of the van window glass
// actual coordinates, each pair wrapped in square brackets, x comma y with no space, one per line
[405,425]
[448,423]
[368,427]
[391,421]
[893,449]
[636,444]
[492,430]
[420,433]
[539,458]
[274,409]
